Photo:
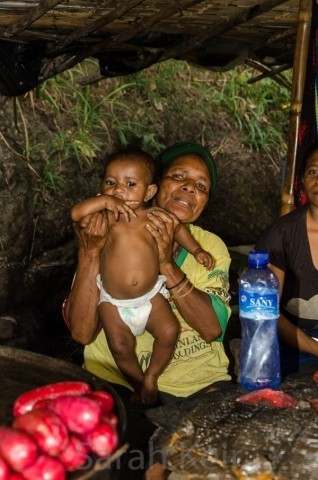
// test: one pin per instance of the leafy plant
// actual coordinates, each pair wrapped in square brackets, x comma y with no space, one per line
[258,109]
[86,117]
[75,143]
[51,176]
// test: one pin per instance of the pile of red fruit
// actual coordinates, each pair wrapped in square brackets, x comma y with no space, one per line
[55,430]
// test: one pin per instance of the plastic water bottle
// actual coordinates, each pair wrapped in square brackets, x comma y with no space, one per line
[259,312]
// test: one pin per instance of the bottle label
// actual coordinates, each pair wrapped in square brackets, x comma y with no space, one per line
[254,305]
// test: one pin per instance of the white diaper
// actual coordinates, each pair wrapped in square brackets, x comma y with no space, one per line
[134,312]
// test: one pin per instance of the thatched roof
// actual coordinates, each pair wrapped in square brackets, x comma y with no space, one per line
[39,39]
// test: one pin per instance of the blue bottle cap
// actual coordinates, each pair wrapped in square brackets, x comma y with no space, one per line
[257,258]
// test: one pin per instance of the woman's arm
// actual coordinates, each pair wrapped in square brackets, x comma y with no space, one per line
[82,303]
[295,337]
[203,317]
[289,333]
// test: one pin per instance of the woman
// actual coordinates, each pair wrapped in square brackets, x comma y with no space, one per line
[292,242]
[199,361]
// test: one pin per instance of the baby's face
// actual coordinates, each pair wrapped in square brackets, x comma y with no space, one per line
[127,179]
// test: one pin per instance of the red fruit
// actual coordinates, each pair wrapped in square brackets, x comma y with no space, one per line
[45,468]
[25,402]
[104,399]
[18,449]
[46,428]
[44,403]
[80,414]
[4,470]
[75,455]
[16,476]
[110,417]
[102,440]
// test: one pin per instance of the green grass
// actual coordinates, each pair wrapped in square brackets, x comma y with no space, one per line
[87,120]
[259,110]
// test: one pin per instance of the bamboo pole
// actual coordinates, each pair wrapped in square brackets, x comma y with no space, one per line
[298,81]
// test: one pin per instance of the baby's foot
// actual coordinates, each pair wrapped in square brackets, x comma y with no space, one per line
[136,397]
[149,390]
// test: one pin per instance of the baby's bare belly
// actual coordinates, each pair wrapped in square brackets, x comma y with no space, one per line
[129,273]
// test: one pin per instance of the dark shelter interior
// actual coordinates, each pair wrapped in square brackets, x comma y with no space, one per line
[40,39]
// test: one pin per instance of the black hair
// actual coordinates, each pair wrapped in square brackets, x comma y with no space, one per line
[134,152]
[310,151]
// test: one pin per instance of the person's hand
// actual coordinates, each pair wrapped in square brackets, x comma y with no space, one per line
[118,206]
[162,225]
[204,258]
[91,232]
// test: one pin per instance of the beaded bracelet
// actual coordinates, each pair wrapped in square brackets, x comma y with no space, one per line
[183,294]
[184,283]
[177,284]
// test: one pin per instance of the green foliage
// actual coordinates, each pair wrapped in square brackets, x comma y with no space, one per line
[77,143]
[50,176]
[87,118]
[259,109]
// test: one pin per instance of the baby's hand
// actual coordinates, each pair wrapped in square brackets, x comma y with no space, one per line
[205,258]
[118,206]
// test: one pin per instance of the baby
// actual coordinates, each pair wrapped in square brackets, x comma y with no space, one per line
[133,296]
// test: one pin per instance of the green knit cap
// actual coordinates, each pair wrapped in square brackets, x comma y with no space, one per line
[184,148]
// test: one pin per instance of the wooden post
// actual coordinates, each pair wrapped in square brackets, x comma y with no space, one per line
[298,81]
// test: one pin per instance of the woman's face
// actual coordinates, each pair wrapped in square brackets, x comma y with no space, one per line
[184,190]
[311,179]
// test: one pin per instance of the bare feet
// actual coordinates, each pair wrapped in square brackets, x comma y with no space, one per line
[147,394]
[149,390]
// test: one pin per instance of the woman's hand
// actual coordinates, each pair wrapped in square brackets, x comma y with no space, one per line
[162,225]
[82,303]
[91,232]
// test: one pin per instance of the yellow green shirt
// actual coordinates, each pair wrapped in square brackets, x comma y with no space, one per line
[195,364]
